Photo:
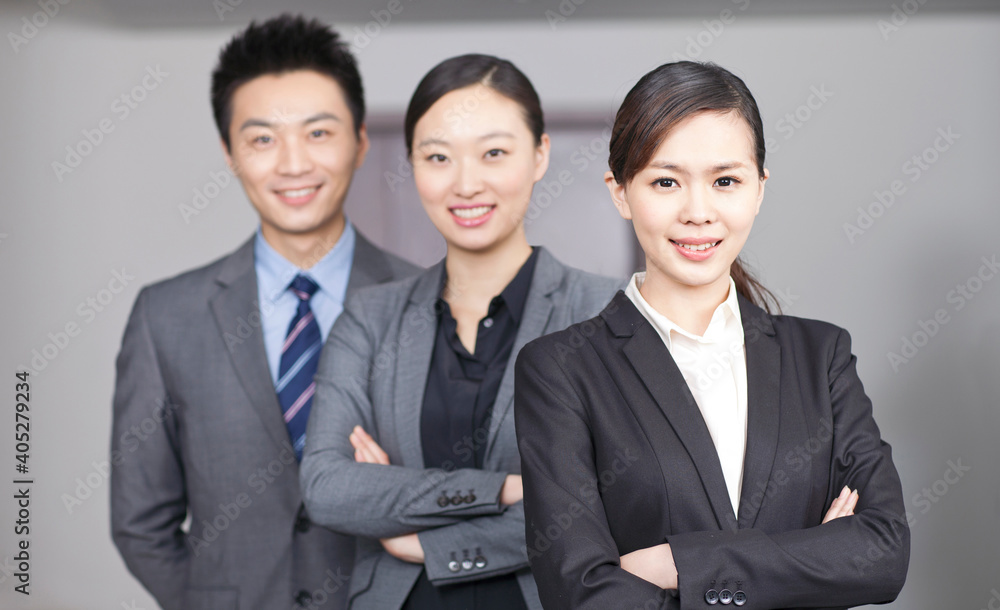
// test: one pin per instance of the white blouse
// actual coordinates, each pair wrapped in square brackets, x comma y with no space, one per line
[715,369]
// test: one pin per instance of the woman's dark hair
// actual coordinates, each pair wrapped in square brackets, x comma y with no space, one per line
[465,70]
[663,98]
[284,44]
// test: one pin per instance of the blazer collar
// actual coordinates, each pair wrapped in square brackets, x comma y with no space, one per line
[664,381]
[369,266]
[763,408]
[418,328]
[237,315]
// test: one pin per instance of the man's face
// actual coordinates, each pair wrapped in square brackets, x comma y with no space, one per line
[294,147]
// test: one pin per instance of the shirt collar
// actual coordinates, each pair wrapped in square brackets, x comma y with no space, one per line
[726,320]
[275,272]
[514,296]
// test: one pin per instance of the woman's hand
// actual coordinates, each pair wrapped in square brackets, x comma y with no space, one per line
[405,548]
[366,450]
[843,505]
[512,491]
[654,564]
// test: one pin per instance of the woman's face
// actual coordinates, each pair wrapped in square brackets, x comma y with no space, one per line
[475,163]
[693,204]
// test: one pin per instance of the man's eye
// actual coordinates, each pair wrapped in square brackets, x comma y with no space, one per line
[262,140]
[317,133]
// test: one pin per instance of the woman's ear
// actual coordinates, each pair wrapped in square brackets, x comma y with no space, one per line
[760,192]
[618,195]
[542,156]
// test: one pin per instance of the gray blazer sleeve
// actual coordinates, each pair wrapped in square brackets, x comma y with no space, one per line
[372,500]
[147,478]
[498,537]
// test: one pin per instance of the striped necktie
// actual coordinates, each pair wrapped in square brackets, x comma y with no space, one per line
[299,357]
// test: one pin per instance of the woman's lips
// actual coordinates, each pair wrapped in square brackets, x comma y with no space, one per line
[472,215]
[696,249]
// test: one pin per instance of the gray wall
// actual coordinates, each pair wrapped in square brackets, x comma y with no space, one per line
[886,96]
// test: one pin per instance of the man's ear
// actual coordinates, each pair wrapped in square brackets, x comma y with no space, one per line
[618,195]
[229,157]
[364,144]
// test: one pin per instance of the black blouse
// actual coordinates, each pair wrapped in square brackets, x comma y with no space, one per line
[455,421]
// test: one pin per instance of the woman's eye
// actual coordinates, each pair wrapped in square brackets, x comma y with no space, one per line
[666,183]
[437,158]
[494,152]
[727,181]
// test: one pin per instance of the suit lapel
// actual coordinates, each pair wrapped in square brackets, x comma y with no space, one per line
[368,266]
[416,346]
[236,310]
[763,408]
[538,307]
[658,372]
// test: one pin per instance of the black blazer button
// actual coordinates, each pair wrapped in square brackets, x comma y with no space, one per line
[456,499]
[303,598]
[726,596]
[469,499]
[739,598]
[444,500]
[711,597]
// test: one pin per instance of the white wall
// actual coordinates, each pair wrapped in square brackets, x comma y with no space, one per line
[61,241]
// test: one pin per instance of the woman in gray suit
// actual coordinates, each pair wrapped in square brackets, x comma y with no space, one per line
[411,440]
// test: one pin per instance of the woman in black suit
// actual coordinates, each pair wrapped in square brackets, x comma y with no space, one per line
[686,448]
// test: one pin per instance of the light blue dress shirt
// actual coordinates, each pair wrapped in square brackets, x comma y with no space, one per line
[278,305]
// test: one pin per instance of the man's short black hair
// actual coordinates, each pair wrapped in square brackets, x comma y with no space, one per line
[284,44]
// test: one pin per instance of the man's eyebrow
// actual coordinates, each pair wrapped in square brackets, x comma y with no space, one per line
[496,134]
[268,124]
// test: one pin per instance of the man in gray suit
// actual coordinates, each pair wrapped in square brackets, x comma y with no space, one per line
[215,372]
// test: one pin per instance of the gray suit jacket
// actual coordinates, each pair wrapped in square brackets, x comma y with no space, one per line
[373,373]
[198,431]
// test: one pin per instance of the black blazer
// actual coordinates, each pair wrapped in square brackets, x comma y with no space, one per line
[616,457]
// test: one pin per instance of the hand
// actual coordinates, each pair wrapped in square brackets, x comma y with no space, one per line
[366,450]
[654,564]
[512,491]
[405,548]
[843,505]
